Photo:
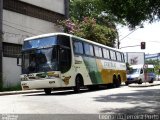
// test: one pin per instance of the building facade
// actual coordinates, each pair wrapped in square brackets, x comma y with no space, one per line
[20,19]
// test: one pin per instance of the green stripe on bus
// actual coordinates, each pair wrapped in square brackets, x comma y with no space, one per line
[94,73]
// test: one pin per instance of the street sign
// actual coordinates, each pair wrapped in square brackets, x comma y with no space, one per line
[145,66]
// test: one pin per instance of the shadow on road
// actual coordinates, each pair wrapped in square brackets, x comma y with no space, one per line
[139,101]
[69,92]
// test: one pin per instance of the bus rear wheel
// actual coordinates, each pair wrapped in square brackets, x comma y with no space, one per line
[119,81]
[47,91]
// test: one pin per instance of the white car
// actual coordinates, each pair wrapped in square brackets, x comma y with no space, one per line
[140,73]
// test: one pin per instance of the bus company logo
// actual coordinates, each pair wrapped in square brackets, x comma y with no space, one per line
[66,80]
[109,65]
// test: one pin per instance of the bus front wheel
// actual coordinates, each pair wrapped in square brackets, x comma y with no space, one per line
[47,91]
[77,84]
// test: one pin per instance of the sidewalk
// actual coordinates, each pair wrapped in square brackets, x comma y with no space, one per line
[155,83]
[19,92]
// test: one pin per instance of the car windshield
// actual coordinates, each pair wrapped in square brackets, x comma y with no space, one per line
[40,60]
[133,71]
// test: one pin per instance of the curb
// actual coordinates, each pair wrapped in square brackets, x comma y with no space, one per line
[144,85]
[20,92]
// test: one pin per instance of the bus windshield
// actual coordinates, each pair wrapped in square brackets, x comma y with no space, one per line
[46,54]
[40,60]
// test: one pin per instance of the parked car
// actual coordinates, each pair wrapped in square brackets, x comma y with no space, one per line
[140,73]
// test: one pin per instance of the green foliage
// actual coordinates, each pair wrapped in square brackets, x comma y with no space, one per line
[129,12]
[134,12]
[88,28]
[85,8]
[12,88]
[87,21]
[156,64]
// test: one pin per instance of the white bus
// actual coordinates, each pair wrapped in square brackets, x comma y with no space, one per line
[59,60]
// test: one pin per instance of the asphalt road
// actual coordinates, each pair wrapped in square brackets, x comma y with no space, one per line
[123,100]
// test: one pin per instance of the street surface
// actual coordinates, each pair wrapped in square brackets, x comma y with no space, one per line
[116,100]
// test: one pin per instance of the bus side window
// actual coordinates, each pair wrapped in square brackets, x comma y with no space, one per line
[78,47]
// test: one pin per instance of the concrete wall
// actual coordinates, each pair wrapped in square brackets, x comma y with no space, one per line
[53,5]
[16,27]
[11,72]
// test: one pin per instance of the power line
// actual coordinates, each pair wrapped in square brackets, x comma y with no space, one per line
[23,26]
[15,34]
[145,41]
[18,29]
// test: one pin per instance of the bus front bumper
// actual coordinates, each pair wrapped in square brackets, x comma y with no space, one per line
[40,84]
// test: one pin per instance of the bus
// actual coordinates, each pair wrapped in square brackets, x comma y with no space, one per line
[60,60]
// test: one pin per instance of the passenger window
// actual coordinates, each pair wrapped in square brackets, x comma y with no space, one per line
[113,55]
[106,53]
[119,57]
[141,72]
[123,60]
[78,47]
[88,49]
[98,51]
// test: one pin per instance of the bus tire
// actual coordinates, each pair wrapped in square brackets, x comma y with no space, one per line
[78,84]
[115,82]
[119,81]
[47,91]
[126,83]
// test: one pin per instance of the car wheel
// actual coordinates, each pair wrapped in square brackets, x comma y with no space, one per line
[151,81]
[140,81]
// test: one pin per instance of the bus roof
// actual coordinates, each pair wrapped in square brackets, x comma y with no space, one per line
[60,33]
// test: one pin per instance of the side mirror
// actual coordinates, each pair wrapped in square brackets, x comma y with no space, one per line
[141,72]
[19,62]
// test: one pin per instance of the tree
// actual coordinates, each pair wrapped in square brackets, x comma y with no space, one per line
[85,8]
[88,21]
[89,29]
[128,12]
[156,64]
[134,12]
